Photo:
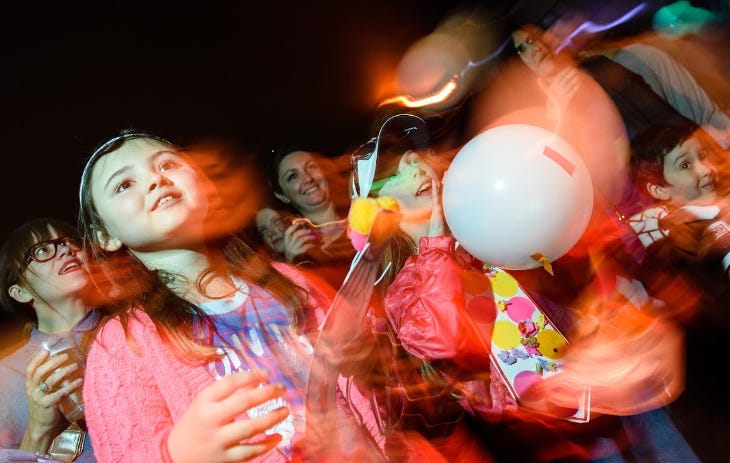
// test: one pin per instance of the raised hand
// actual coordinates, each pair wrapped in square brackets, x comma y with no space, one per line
[298,239]
[209,430]
[44,376]
[436,225]
[563,87]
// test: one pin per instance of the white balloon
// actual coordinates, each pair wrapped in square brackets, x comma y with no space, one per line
[516,191]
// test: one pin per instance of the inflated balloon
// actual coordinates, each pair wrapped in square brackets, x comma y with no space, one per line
[517,196]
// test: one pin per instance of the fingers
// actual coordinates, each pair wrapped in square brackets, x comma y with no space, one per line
[35,362]
[245,452]
[51,371]
[436,224]
[223,388]
[246,398]
[42,365]
[565,84]
[237,431]
[59,374]
[297,233]
[298,239]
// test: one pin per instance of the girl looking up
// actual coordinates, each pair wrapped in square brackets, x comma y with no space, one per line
[199,325]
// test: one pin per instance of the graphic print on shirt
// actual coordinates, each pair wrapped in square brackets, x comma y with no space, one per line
[256,334]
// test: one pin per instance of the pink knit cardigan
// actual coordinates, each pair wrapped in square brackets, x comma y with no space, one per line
[133,396]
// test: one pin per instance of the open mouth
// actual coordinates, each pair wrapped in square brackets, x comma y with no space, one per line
[425,188]
[311,189]
[708,186]
[70,266]
[166,199]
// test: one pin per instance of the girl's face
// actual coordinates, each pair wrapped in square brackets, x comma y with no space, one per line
[689,173]
[271,228]
[302,182]
[411,186]
[59,277]
[149,197]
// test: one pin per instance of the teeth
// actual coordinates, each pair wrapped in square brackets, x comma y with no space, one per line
[164,200]
[69,266]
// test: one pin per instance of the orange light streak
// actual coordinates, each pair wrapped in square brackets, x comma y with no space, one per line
[409,102]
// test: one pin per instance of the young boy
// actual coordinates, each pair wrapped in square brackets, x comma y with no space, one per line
[680,167]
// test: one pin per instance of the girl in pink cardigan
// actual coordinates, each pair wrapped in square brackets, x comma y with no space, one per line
[207,351]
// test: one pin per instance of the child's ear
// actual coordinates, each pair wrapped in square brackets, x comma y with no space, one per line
[20,294]
[658,191]
[107,242]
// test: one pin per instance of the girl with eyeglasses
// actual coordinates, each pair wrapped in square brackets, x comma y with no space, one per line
[207,352]
[44,282]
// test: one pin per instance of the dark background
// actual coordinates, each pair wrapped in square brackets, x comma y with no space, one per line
[258,72]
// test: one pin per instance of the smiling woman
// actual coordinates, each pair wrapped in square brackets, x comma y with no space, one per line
[307,182]
[45,282]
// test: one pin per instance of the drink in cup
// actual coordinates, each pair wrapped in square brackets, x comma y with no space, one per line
[71,405]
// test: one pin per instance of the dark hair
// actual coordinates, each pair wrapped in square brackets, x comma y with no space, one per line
[649,148]
[128,282]
[274,156]
[335,173]
[13,255]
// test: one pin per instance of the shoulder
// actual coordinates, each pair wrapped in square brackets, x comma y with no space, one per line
[16,360]
[440,243]
[114,338]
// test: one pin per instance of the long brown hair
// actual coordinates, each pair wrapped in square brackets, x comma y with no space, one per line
[129,283]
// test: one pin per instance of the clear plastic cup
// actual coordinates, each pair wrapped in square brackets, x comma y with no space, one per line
[71,405]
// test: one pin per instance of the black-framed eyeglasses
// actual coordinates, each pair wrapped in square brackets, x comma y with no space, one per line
[521,48]
[47,250]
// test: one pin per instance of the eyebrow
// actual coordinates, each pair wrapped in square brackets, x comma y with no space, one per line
[680,158]
[127,168]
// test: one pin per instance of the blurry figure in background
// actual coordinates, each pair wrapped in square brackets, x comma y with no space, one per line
[306,181]
[559,74]
[673,82]
[270,234]
[552,92]
[682,18]
[680,168]
[44,281]
[271,224]
[683,170]
[237,190]
[581,91]
[431,309]
[668,78]
[198,324]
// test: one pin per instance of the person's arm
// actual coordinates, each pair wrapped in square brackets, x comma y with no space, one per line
[426,305]
[45,421]
[674,83]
